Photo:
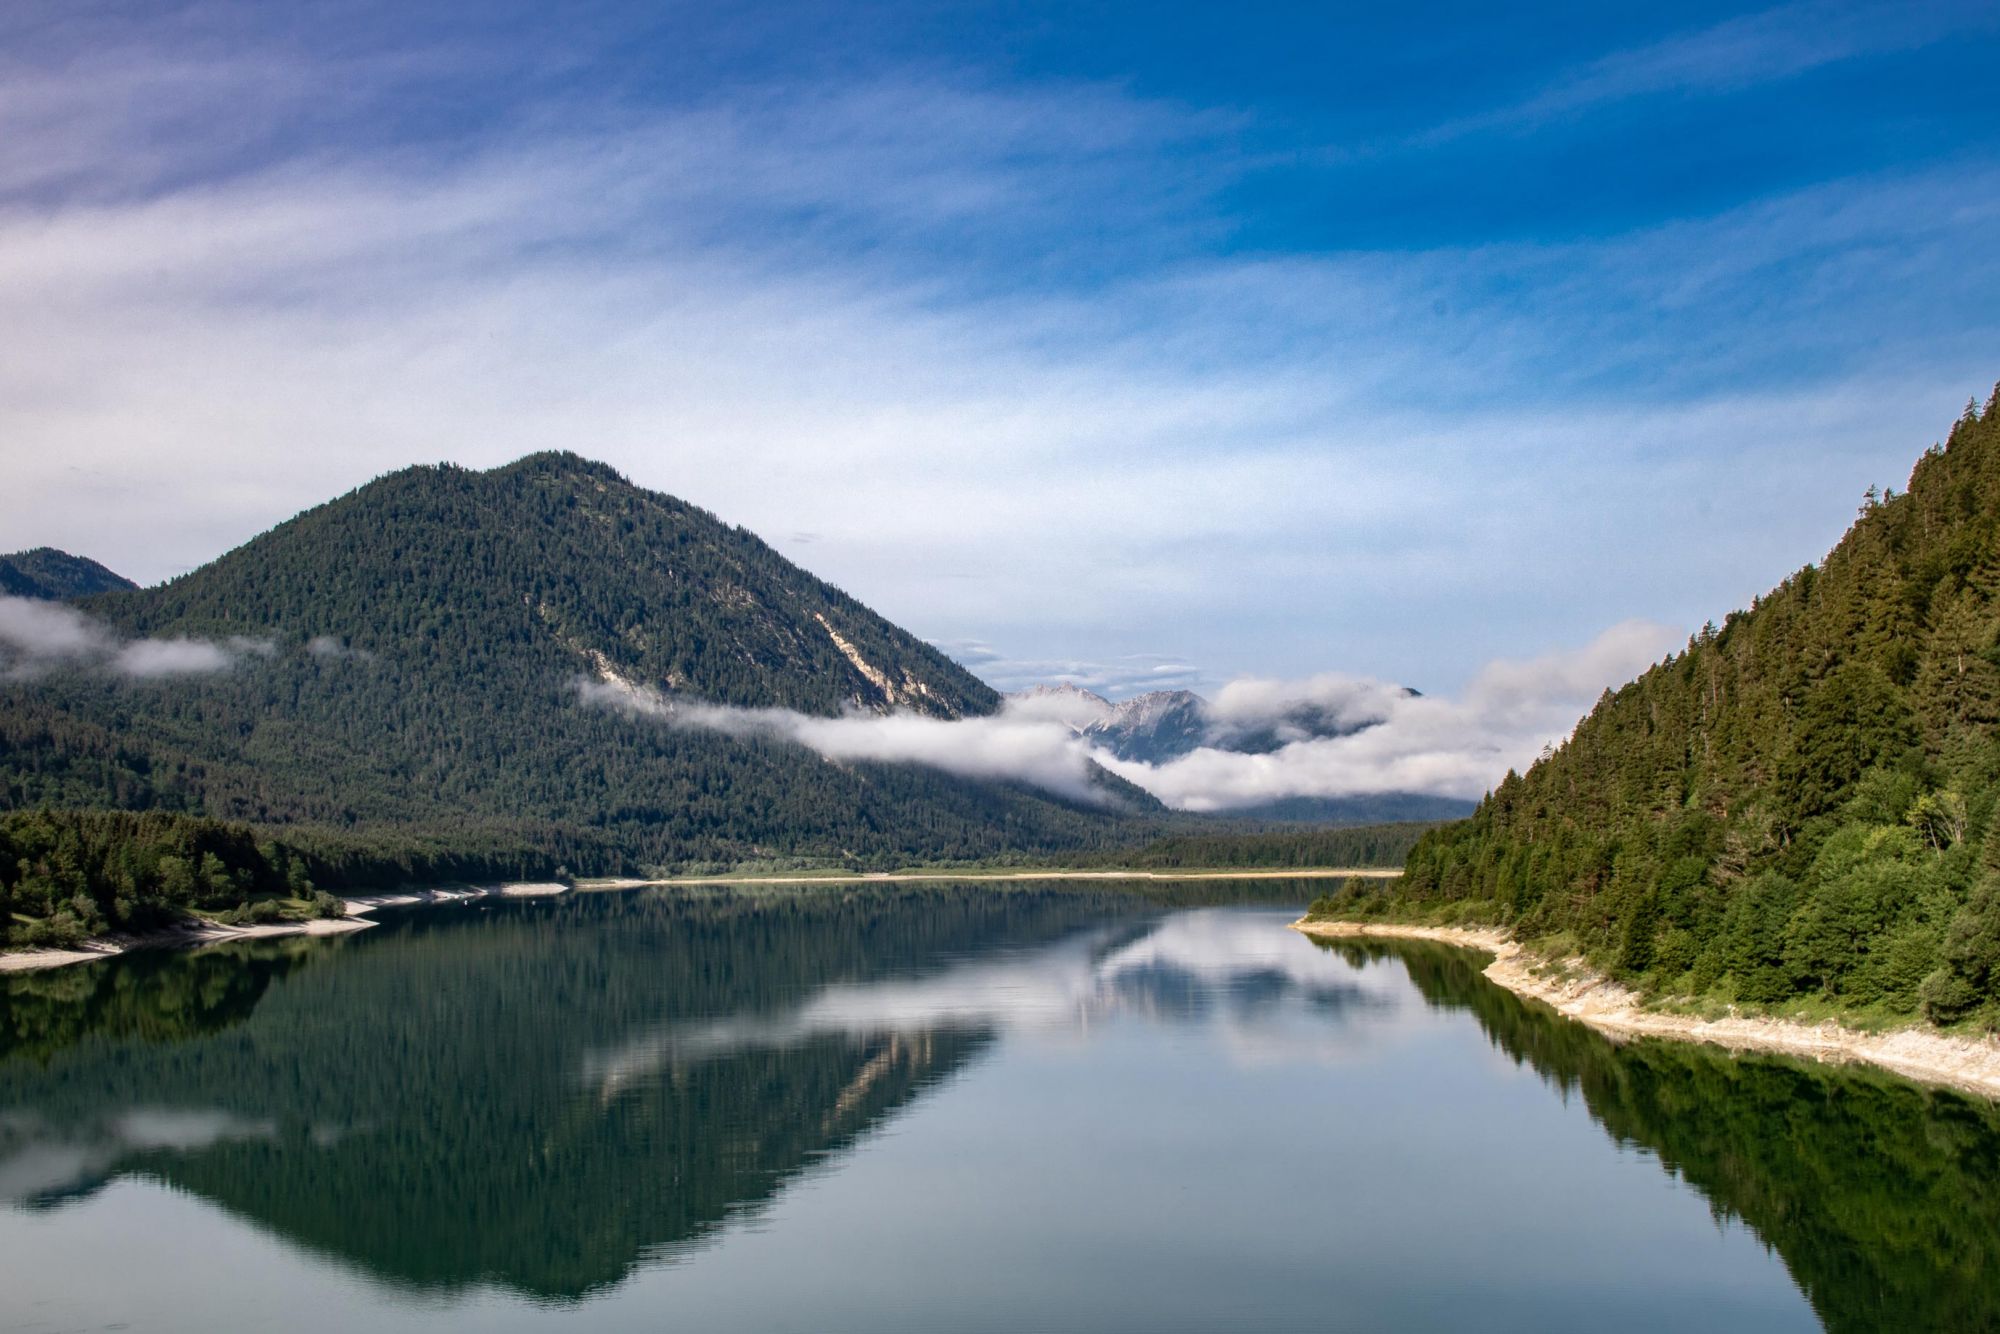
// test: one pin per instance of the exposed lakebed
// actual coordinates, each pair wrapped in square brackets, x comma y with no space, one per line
[938,1108]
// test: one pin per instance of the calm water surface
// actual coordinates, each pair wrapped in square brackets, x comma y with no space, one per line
[937,1109]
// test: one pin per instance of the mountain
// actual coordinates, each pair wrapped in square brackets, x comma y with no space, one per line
[1154,727]
[1163,725]
[46,573]
[1803,804]
[559,561]
[407,662]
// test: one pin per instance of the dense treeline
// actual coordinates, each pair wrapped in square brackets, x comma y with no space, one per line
[66,875]
[1804,805]
[408,688]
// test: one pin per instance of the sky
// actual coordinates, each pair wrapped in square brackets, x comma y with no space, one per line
[1158,345]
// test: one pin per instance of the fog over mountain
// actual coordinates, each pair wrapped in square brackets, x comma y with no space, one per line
[1258,742]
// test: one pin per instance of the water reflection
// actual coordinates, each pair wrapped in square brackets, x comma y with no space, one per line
[547,1096]
[415,1102]
[1877,1192]
[1201,968]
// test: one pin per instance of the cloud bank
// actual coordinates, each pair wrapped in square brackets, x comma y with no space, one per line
[38,637]
[1458,747]
[1443,746]
[1003,746]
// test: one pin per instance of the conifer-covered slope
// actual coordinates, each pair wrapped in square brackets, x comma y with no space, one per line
[52,575]
[555,559]
[1806,802]
[426,636]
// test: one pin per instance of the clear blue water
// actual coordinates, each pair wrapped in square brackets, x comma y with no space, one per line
[939,1109]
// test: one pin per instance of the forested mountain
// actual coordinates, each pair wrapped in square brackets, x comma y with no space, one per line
[47,573]
[1803,804]
[556,560]
[406,668]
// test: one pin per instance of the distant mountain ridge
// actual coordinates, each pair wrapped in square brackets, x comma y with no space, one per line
[52,575]
[1161,726]
[1157,726]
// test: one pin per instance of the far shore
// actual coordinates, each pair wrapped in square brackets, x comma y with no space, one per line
[196,933]
[1573,990]
[880,877]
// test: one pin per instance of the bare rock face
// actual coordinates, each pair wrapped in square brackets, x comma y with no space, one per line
[1153,727]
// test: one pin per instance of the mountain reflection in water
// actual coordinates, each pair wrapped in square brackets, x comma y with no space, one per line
[544,1098]
[413,1092]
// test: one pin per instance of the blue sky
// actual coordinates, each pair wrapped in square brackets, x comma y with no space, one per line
[1139,344]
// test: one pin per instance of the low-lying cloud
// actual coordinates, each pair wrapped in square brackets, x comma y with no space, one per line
[1431,744]
[1401,741]
[1002,746]
[38,637]
[333,648]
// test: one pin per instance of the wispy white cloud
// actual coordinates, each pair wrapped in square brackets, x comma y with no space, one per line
[1004,746]
[863,311]
[333,647]
[1743,51]
[37,637]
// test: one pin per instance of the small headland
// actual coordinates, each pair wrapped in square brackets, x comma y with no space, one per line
[196,932]
[1573,989]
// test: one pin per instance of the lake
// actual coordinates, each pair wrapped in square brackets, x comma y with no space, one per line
[938,1108]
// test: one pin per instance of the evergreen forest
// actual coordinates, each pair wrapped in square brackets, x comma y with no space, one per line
[1801,811]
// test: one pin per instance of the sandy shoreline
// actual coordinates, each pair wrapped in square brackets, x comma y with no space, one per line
[196,935]
[187,937]
[360,905]
[1969,1064]
[892,877]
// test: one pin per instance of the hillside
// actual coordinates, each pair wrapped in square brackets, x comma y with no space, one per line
[407,662]
[1799,807]
[53,575]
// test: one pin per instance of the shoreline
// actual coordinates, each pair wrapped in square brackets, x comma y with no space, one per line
[1970,1065]
[894,877]
[196,933]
